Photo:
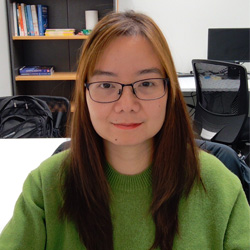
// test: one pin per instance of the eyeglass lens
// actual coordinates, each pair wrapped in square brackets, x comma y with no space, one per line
[147,89]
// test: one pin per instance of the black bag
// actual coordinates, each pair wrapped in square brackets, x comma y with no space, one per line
[25,117]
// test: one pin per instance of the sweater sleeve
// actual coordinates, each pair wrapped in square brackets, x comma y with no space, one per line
[26,229]
[237,235]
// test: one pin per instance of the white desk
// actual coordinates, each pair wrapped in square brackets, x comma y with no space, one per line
[18,158]
[187,84]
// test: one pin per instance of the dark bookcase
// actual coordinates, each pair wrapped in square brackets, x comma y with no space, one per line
[61,52]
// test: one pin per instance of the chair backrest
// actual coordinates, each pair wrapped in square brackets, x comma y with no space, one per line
[60,108]
[222,100]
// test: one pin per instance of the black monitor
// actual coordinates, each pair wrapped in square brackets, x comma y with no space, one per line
[229,44]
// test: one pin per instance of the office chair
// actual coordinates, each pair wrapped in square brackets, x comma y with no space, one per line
[60,108]
[221,112]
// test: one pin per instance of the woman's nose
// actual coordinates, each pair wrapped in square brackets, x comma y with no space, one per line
[128,101]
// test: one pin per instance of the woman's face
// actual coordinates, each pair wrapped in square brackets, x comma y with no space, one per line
[128,121]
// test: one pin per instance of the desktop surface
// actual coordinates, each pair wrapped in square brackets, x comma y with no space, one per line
[187,84]
[18,158]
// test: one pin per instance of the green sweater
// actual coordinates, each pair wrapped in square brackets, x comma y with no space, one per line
[216,219]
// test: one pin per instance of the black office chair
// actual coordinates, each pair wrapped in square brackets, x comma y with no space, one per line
[221,112]
[60,108]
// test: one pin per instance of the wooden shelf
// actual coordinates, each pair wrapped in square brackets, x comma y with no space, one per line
[76,37]
[66,76]
[60,51]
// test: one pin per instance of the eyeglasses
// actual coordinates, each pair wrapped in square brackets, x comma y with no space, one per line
[146,89]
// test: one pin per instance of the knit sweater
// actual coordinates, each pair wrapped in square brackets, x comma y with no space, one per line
[218,218]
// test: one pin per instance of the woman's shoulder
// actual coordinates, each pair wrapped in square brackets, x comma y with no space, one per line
[49,170]
[216,177]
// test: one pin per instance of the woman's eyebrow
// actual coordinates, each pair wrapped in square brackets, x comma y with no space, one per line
[150,70]
[140,72]
[103,73]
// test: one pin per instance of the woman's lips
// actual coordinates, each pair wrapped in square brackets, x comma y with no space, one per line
[127,125]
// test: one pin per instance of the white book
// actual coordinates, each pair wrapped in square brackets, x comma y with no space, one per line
[16,31]
[24,19]
[35,20]
[19,18]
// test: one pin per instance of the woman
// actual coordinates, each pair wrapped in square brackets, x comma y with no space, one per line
[133,177]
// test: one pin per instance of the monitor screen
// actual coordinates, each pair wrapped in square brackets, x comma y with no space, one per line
[230,45]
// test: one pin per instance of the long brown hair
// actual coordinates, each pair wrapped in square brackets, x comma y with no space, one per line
[175,164]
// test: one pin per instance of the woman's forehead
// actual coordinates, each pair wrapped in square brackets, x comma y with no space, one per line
[127,57]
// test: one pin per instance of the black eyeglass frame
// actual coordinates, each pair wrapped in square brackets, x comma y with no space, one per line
[166,82]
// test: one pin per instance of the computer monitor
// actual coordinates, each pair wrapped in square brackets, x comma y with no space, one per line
[229,44]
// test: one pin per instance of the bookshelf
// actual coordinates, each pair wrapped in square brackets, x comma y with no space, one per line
[60,51]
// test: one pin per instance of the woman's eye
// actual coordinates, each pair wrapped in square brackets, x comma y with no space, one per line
[106,85]
[147,84]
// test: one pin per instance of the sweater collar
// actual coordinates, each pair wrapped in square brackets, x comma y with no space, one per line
[128,182]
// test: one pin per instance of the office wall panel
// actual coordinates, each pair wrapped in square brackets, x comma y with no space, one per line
[185,23]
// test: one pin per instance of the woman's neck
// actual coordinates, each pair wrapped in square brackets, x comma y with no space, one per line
[129,160]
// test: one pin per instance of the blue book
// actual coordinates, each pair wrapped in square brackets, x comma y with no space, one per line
[32,70]
[26,20]
[37,74]
[30,20]
[42,16]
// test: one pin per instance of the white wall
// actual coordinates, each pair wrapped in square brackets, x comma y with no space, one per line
[5,75]
[185,23]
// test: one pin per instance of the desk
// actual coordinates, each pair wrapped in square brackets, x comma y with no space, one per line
[18,158]
[187,84]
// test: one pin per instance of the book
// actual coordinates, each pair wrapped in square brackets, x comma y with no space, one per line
[15,21]
[36,70]
[37,74]
[24,19]
[20,19]
[60,32]
[42,15]
[31,27]
[35,20]
[27,21]
[17,17]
